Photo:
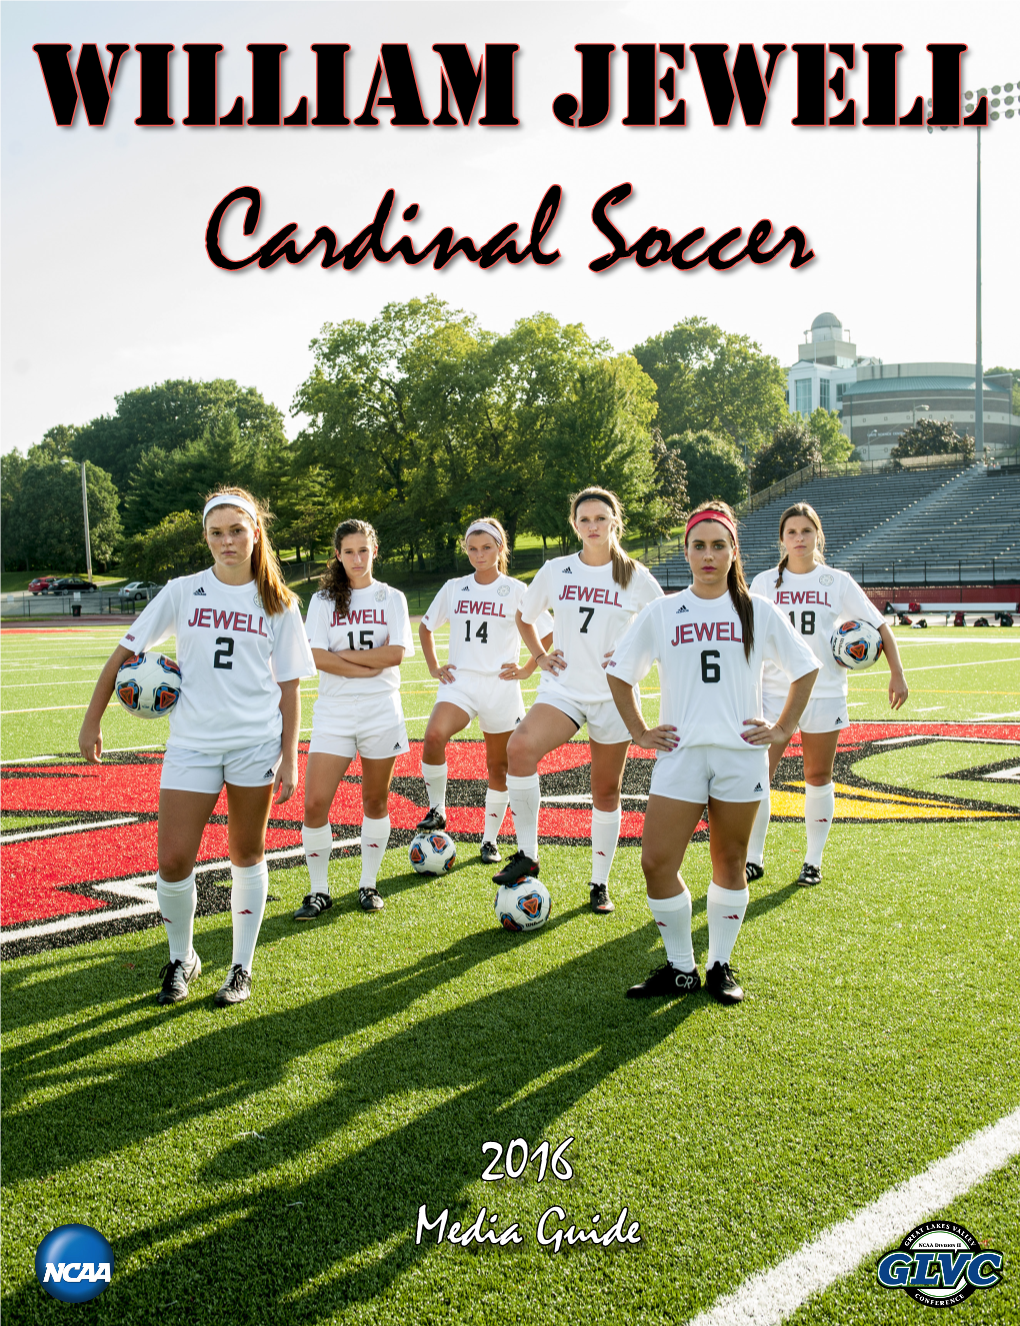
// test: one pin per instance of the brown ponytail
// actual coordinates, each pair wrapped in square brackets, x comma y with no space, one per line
[269,582]
[334,582]
[799,509]
[735,581]
[623,565]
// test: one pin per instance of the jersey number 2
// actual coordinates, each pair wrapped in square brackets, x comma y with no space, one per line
[221,659]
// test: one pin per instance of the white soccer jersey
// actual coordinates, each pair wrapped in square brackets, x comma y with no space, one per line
[708,687]
[815,604]
[483,622]
[232,655]
[591,612]
[377,615]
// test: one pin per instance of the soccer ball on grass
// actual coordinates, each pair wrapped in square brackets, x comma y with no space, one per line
[523,906]
[432,853]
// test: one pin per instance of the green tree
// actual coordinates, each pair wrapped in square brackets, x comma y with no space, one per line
[715,381]
[172,414]
[45,526]
[12,470]
[1015,372]
[792,447]
[383,401]
[57,444]
[834,446]
[598,434]
[176,546]
[931,437]
[714,467]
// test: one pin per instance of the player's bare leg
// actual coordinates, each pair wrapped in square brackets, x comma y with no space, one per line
[545,729]
[445,721]
[819,799]
[755,867]
[608,762]
[322,778]
[376,776]
[669,826]
[497,798]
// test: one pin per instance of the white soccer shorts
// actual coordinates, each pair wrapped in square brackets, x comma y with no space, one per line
[369,725]
[498,705]
[202,771]
[695,773]
[602,716]
[822,713]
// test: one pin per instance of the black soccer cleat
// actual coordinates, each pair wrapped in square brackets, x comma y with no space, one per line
[489,854]
[176,976]
[369,900]
[517,868]
[235,989]
[666,982]
[432,822]
[314,905]
[720,984]
[600,899]
[809,875]
[753,871]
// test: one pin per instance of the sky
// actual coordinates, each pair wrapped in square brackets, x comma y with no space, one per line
[107,286]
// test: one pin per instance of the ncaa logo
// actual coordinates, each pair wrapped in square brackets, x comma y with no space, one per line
[939,1264]
[74,1263]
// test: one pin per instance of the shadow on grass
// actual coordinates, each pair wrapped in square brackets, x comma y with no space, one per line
[304,1249]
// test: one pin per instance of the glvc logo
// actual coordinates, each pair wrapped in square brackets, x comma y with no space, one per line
[940,1264]
[74,1263]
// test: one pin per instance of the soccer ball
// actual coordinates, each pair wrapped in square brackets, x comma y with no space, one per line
[856,644]
[148,685]
[433,853]
[523,906]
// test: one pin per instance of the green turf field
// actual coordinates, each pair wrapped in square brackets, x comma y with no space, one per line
[268,1163]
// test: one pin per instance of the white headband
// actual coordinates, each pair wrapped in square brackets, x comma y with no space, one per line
[228,499]
[483,527]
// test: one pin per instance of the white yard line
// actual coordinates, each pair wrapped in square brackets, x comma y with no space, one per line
[65,828]
[769,1297]
[979,663]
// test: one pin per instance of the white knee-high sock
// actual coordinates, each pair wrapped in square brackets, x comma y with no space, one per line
[673,917]
[819,808]
[495,809]
[725,908]
[318,843]
[605,834]
[177,903]
[435,776]
[375,834]
[525,799]
[248,906]
[756,847]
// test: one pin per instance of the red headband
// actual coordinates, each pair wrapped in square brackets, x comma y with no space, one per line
[709,514]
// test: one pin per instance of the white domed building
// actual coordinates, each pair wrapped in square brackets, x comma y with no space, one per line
[826,364]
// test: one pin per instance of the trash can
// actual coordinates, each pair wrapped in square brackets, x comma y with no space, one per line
[76,606]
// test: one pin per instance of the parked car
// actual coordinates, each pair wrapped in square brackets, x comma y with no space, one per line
[140,589]
[41,584]
[73,585]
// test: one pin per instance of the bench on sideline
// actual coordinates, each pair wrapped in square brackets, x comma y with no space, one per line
[997,610]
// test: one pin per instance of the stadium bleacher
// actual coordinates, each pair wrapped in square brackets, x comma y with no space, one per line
[909,527]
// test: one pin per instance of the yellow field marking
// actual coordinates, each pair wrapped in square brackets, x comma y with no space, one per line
[862,804]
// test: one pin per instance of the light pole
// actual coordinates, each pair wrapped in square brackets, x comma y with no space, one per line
[1001,96]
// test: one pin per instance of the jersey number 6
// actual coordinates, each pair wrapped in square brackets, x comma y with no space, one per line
[709,671]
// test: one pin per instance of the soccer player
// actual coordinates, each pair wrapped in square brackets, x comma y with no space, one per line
[816,598]
[360,633]
[594,595]
[710,642]
[242,650]
[482,678]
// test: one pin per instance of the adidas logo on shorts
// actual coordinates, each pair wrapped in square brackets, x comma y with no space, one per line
[838,721]
[397,746]
[199,593]
[758,787]
[268,774]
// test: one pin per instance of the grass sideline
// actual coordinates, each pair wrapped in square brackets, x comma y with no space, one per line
[267,1163]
